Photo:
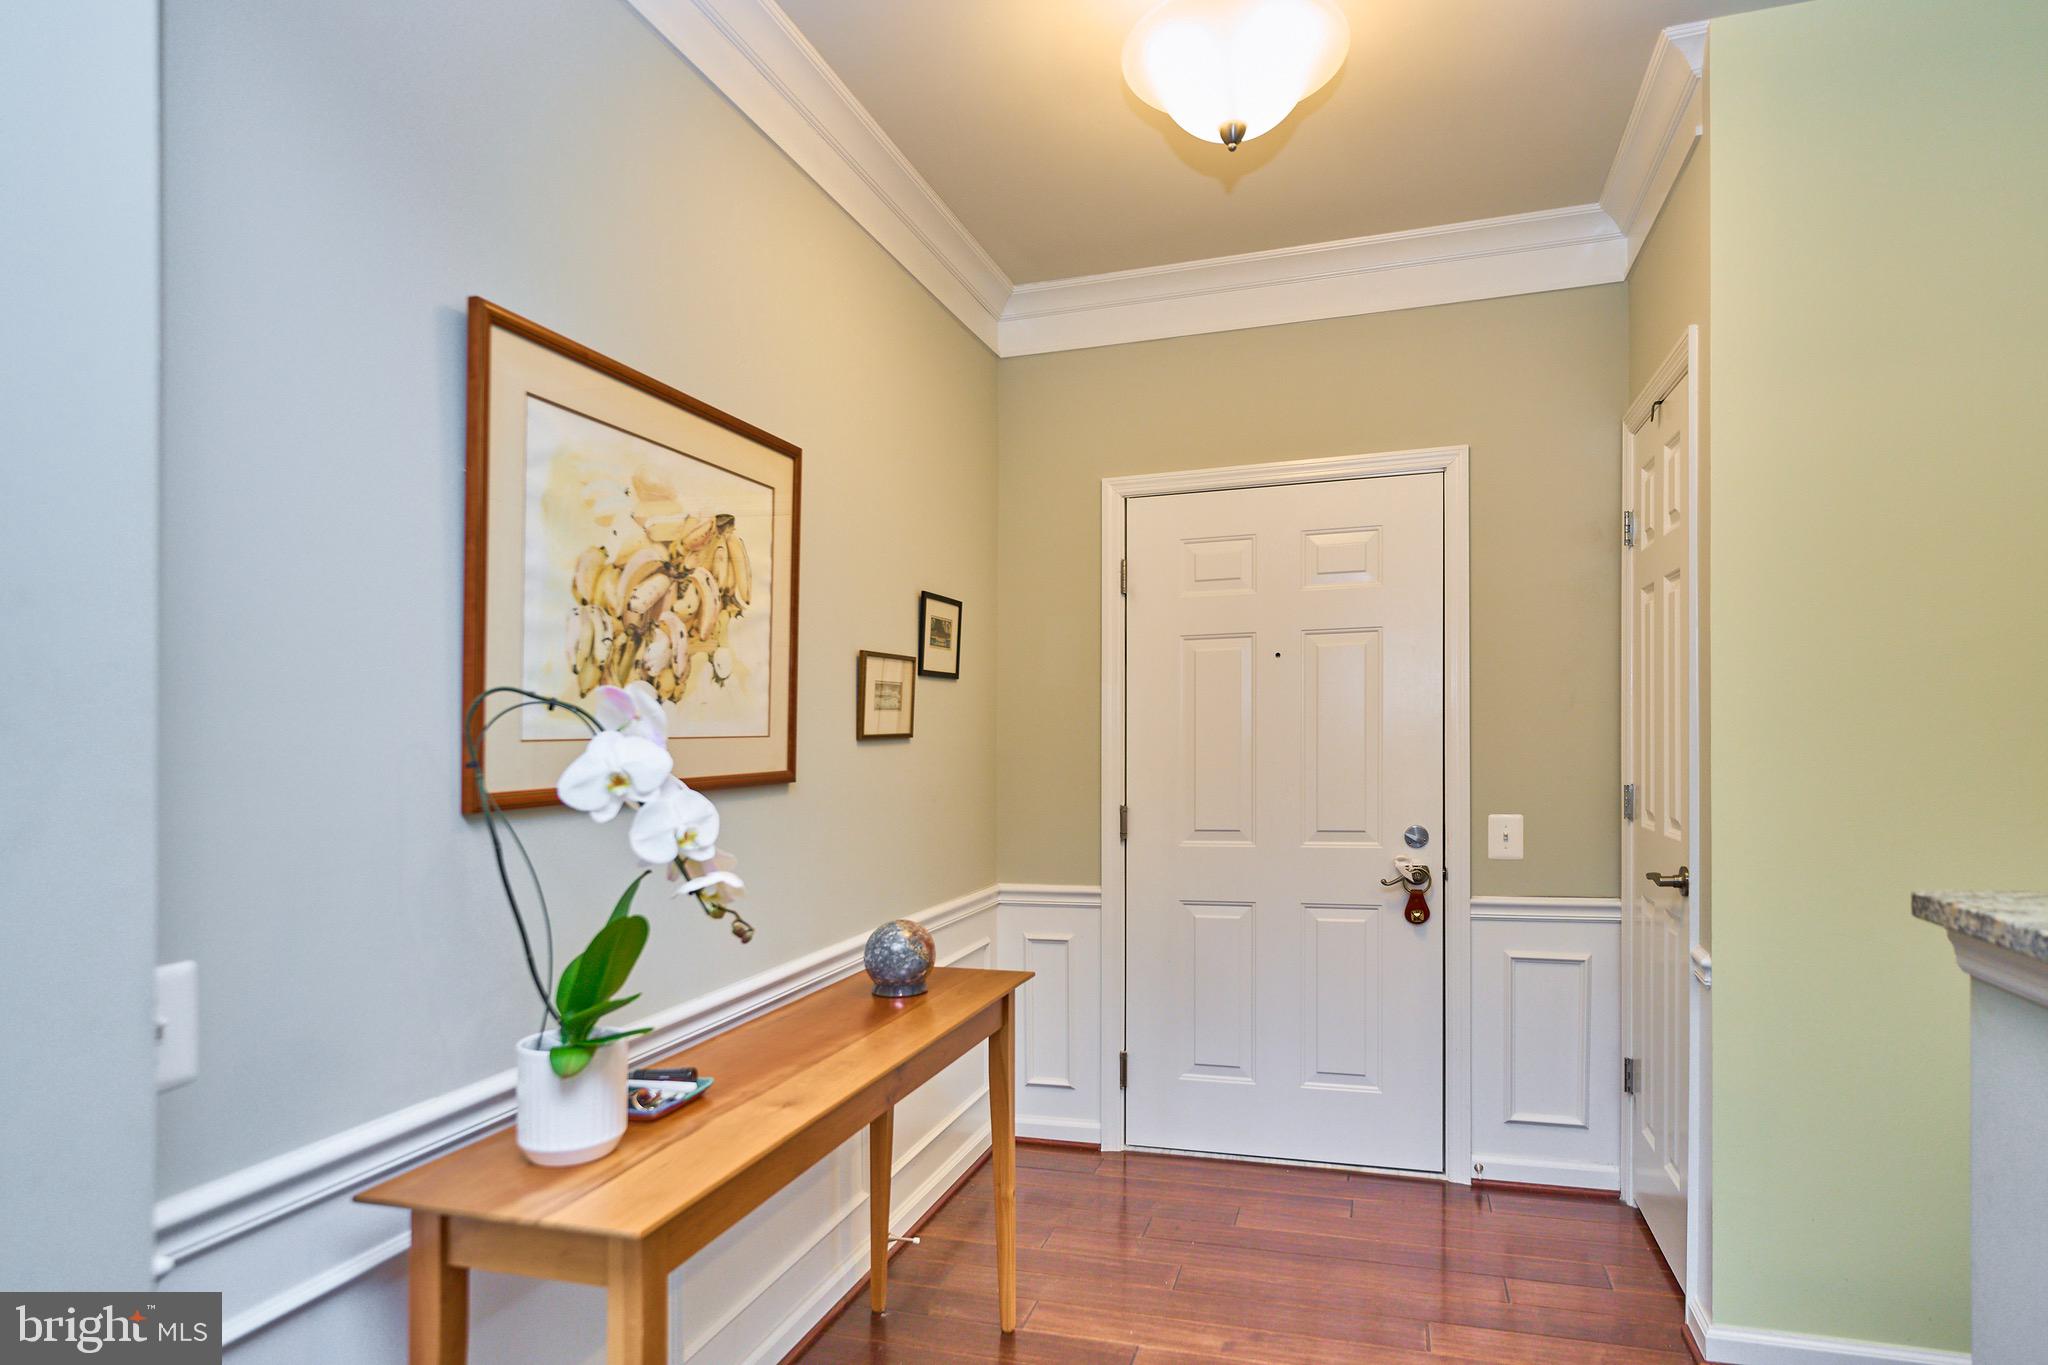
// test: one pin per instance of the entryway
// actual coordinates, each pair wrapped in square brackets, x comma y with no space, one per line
[1293,668]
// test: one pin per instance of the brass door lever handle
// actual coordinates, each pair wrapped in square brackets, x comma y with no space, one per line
[1682,883]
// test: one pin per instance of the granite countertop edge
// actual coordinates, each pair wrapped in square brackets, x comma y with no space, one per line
[2014,920]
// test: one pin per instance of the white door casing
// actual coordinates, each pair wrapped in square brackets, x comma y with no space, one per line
[1285,654]
[1660,734]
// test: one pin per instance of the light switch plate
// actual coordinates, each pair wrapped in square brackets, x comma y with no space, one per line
[177,1024]
[1504,837]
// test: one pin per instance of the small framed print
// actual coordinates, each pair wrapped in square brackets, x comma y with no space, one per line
[888,696]
[938,636]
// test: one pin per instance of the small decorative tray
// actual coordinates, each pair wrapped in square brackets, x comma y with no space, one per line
[673,1096]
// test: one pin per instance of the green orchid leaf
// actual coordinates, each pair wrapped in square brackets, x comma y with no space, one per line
[626,900]
[615,1037]
[574,1025]
[609,959]
[584,981]
[569,991]
[567,1061]
[580,987]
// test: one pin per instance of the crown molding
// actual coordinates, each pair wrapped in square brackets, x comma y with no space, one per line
[1527,253]
[1668,118]
[753,54]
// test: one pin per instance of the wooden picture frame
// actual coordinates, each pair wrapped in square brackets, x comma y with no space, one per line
[938,635]
[568,447]
[885,696]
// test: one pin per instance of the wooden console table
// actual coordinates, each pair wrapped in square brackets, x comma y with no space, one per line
[792,1085]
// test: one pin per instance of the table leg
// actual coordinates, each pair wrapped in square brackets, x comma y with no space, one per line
[636,1306]
[1002,1113]
[881,1155]
[438,1295]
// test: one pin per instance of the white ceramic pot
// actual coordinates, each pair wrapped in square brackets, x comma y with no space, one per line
[568,1122]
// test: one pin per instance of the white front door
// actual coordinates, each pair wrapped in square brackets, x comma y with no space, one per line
[1661,837]
[1285,728]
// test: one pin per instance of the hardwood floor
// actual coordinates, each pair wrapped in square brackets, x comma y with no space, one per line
[1176,1261]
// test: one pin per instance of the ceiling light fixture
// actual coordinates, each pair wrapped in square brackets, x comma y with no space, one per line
[1228,70]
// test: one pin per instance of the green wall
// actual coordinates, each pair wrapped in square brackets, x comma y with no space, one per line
[1880,639]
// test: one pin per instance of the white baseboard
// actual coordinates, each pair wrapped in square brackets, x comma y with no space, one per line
[1757,1346]
[282,1236]
[1061,1130]
[1576,1175]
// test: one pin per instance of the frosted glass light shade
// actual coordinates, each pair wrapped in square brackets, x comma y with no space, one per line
[1228,70]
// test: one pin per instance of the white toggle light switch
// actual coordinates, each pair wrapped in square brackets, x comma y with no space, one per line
[177,1024]
[1504,836]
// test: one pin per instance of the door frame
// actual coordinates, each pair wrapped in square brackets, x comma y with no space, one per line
[1453,462]
[1682,365]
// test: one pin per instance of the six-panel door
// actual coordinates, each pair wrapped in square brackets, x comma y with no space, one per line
[1660,941]
[1285,727]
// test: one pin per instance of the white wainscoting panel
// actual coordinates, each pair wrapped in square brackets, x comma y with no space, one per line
[308,1275]
[1056,931]
[1546,1040]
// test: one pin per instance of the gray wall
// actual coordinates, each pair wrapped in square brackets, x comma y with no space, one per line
[338,178]
[78,562]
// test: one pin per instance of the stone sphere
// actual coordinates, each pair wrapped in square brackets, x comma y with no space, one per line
[899,956]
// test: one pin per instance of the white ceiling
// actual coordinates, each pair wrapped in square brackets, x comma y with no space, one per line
[1016,113]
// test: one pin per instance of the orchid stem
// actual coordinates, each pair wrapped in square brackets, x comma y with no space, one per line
[494,817]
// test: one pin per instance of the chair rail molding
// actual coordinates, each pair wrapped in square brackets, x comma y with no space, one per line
[282,1235]
[1548,909]
[754,54]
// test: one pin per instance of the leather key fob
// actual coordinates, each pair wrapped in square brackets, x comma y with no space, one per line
[1418,907]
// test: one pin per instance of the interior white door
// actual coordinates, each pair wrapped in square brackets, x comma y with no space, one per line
[1660,837]
[1285,727]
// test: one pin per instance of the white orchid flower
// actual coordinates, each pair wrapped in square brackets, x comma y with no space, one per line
[714,880]
[676,823]
[612,770]
[631,710]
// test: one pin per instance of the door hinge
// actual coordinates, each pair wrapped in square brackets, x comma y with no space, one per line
[1123,1071]
[1628,1075]
[1628,530]
[1123,823]
[1123,577]
[1628,801]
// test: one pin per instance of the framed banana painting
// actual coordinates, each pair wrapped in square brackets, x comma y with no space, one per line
[621,531]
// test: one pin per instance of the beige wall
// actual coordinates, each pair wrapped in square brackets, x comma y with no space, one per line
[321,231]
[1534,384]
[1880,723]
[1667,286]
